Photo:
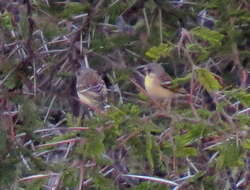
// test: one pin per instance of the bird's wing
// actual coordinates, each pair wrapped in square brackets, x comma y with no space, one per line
[169,85]
[166,81]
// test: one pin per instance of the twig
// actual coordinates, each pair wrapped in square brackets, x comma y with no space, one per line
[38,176]
[160,21]
[154,179]
[7,76]
[50,106]
[81,175]
[146,21]
[60,142]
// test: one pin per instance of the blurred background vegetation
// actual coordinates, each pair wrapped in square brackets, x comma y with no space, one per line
[48,140]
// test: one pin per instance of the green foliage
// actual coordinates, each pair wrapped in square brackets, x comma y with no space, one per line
[202,180]
[122,77]
[202,52]
[66,10]
[141,153]
[5,20]
[184,142]
[50,30]
[12,81]
[181,80]
[73,121]
[183,151]
[243,119]
[94,148]
[30,117]
[242,96]
[35,185]
[8,169]
[117,9]
[74,8]
[212,4]
[149,149]
[207,80]
[230,155]
[66,136]
[157,156]
[214,38]
[142,137]
[102,183]
[24,26]
[105,44]
[70,177]
[242,17]
[3,139]
[203,113]
[150,186]
[156,52]
[124,115]
[246,144]
[38,163]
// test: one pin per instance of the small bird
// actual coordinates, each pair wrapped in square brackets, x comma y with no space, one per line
[91,89]
[156,82]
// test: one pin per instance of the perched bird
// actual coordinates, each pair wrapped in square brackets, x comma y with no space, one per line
[91,89]
[157,81]
[158,85]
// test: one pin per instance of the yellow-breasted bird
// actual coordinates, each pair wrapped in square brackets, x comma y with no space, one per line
[157,81]
[91,89]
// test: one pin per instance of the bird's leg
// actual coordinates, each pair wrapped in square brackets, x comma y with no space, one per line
[168,103]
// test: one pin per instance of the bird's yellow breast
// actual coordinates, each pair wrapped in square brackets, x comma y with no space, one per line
[86,99]
[154,88]
[149,81]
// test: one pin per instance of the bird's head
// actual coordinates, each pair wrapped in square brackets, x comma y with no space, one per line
[147,70]
[154,68]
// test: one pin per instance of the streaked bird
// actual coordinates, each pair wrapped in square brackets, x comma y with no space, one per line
[91,89]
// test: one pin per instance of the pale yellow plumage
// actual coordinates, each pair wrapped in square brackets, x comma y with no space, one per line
[154,88]
[155,76]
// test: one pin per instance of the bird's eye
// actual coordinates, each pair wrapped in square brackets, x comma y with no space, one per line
[147,70]
[78,73]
